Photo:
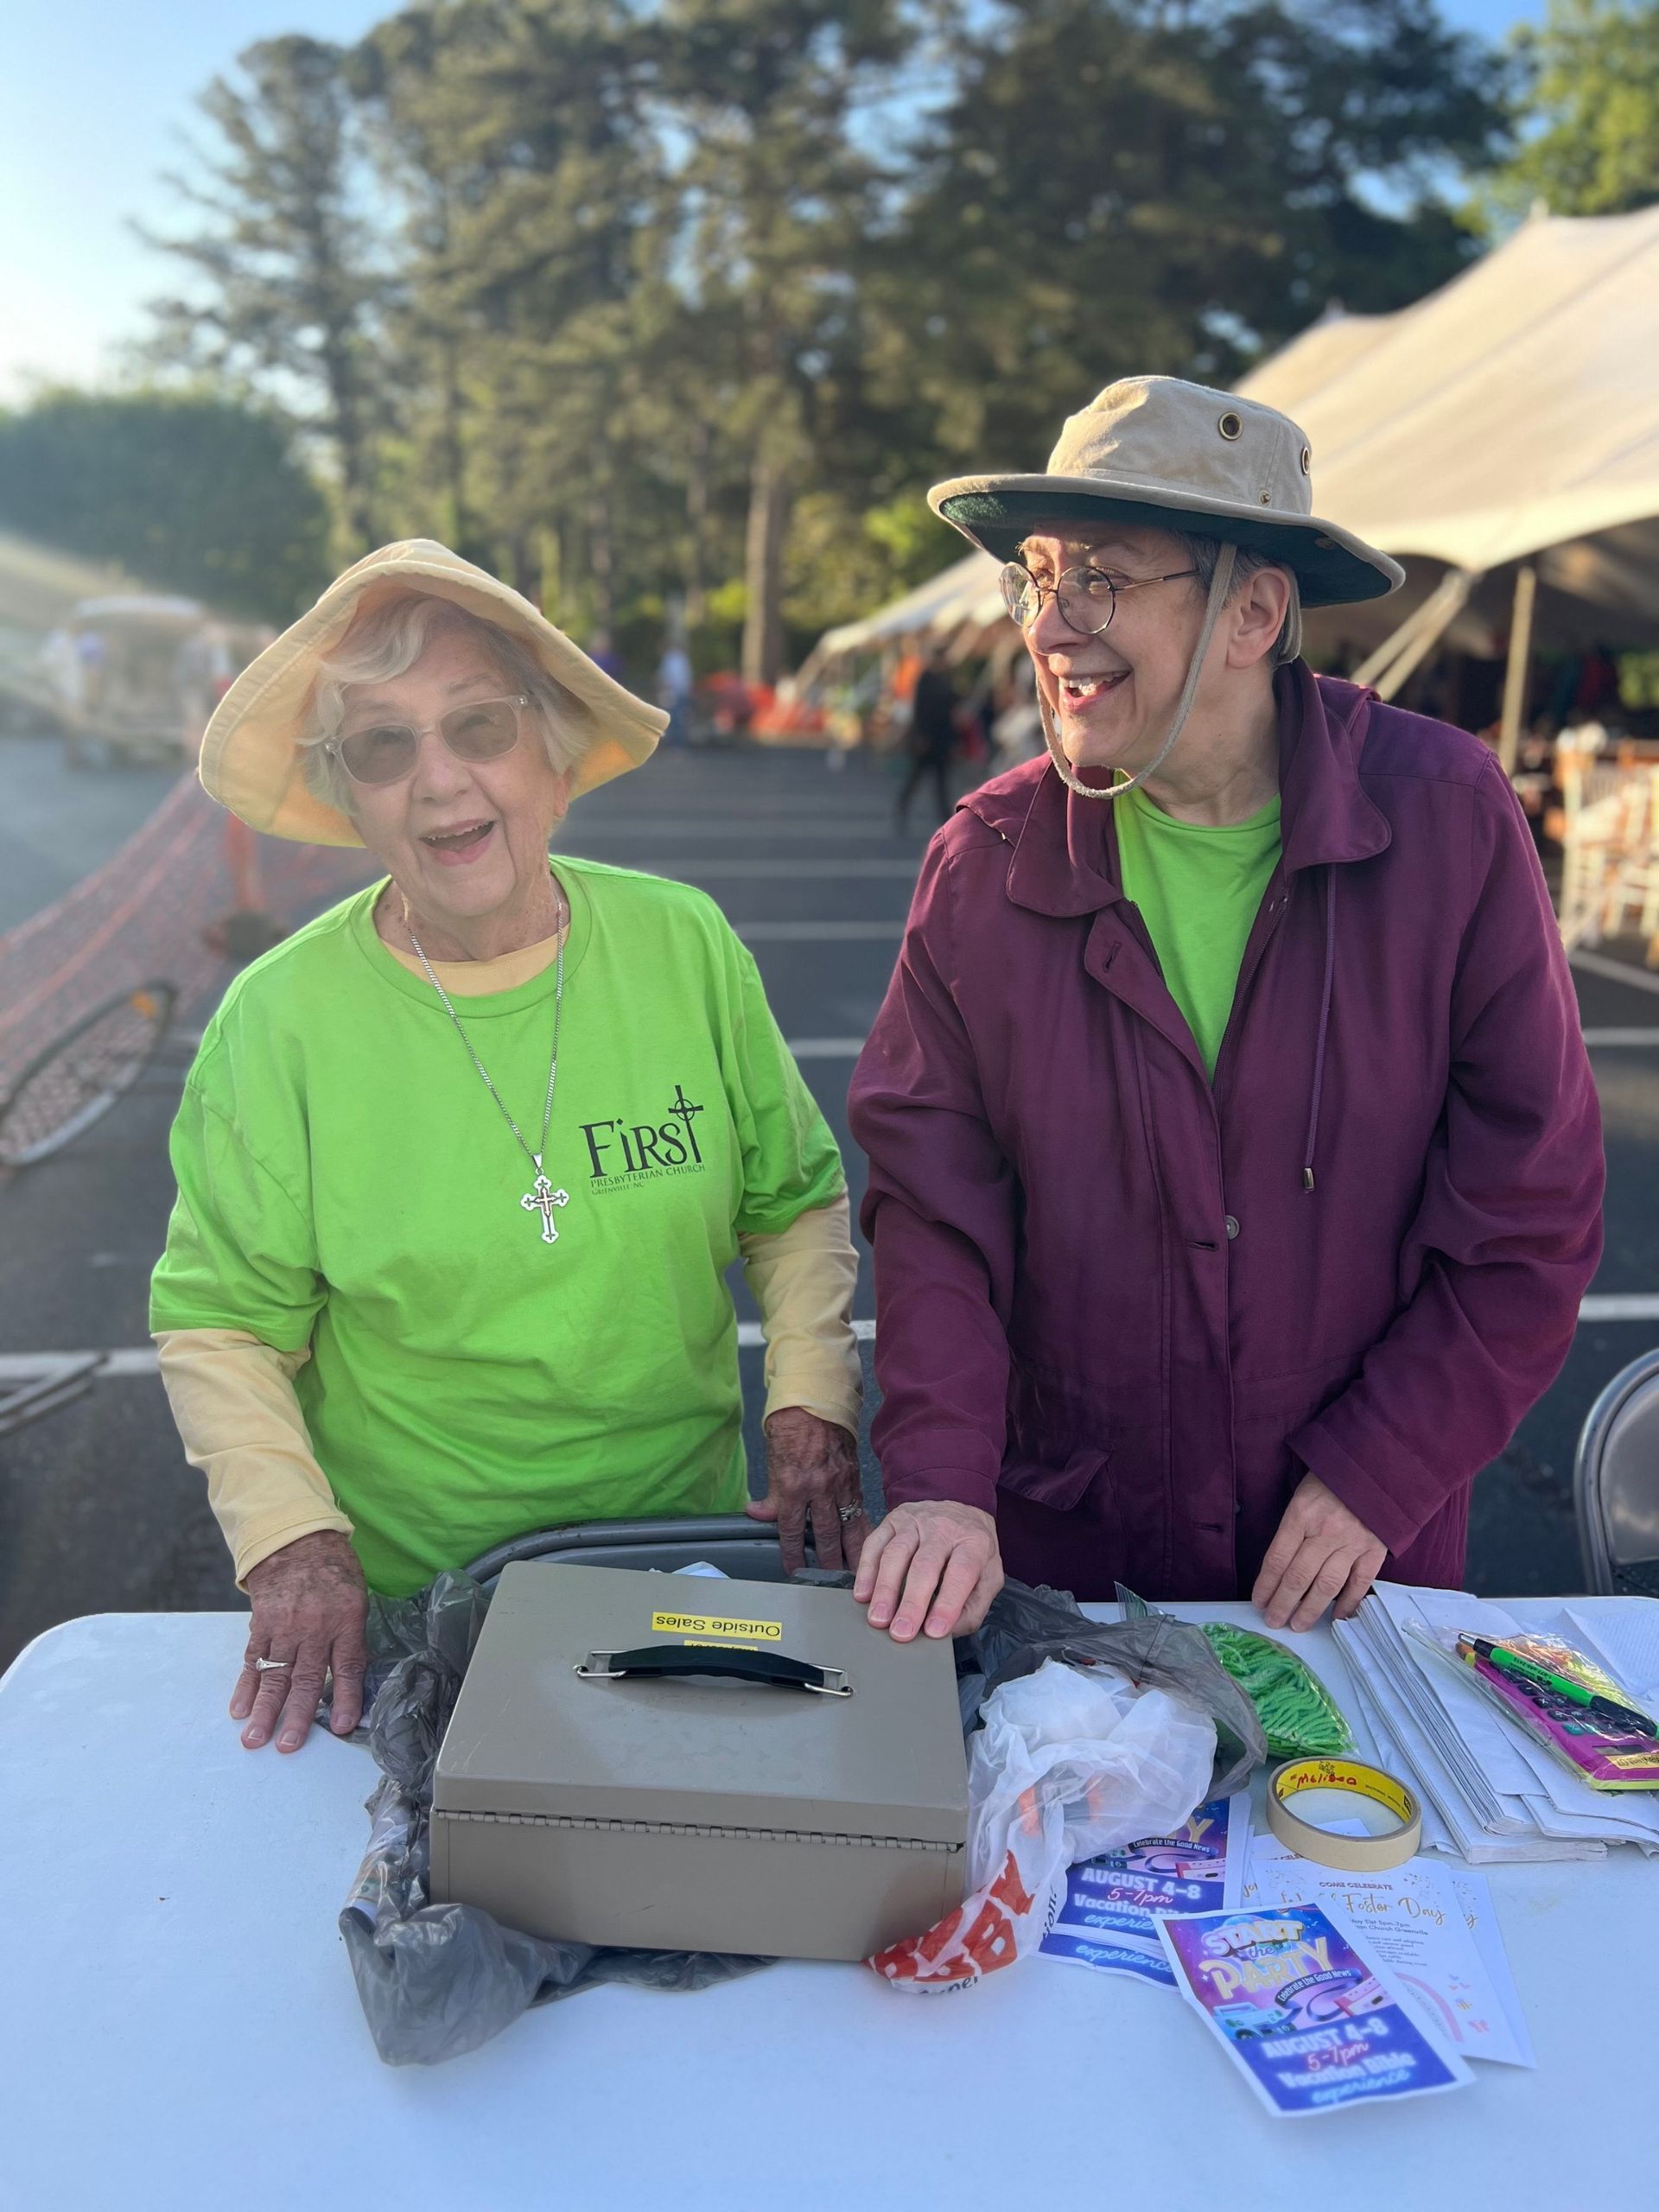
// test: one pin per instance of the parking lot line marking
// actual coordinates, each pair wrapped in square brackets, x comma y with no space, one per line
[747,870]
[835,1048]
[129,1364]
[117,1366]
[138,1360]
[1618,1305]
[1597,963]
[813,832]
[819,932]
[749,1337]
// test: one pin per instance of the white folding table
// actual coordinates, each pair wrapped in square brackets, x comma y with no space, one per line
[178,2027]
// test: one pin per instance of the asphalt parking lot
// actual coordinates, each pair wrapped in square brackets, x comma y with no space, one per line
[98,1511]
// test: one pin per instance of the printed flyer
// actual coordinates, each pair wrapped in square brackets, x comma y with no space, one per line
[1309,2022]
[1420,1921]
[1109,1954]
[1109,1917]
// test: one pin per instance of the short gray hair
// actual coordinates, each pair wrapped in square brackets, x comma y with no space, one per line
[1204,552]
[387,641]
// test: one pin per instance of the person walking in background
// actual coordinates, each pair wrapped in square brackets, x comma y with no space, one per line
[674,692]
[932,739]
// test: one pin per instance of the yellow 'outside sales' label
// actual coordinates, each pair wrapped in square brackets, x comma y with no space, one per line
[708,1626]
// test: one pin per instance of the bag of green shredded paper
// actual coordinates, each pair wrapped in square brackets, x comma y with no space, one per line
[1297,1714]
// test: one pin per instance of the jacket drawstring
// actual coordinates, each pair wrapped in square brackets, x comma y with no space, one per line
[1324,1026]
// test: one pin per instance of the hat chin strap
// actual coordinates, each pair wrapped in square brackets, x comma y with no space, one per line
[1220,585]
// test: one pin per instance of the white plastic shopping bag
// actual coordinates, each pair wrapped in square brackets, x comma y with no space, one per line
[1069,1762]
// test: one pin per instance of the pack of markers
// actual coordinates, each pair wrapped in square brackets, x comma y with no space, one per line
[1563,1701]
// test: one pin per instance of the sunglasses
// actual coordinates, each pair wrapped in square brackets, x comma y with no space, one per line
[385,752]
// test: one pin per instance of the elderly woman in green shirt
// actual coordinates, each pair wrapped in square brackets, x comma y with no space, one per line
[462,1163]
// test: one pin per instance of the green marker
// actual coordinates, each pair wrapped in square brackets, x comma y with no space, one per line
[1528,1670]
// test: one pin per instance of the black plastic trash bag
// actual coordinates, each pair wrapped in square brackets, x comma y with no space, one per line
[438,1980]
[1024,1627]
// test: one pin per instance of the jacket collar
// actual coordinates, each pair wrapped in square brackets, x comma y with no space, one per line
[1064,862]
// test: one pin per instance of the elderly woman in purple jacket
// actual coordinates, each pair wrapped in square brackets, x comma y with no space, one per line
[1235,1162]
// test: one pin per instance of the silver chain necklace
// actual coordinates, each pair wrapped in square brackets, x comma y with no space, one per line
[543,1198]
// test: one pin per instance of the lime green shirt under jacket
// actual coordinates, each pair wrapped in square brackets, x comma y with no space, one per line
[1197,888]
[346,1182]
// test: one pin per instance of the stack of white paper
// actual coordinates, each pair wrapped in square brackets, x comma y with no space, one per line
[1491,1794]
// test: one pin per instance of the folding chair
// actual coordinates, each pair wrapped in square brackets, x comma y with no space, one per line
[747,1550]
[1616,1483]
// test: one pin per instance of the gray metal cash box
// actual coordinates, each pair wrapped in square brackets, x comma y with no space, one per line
[681,1764]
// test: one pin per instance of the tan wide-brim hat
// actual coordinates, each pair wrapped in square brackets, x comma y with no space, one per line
[252,760]
[1161,451]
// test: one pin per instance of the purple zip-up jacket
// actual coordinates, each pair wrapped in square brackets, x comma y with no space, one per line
[1124,1308]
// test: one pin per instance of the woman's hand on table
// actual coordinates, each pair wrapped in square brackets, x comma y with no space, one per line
[934,1566]
[310,1606]
[812,1476]
[1322,1556]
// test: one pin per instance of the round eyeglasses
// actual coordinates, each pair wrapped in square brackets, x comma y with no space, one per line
[385,752]
[1087,598]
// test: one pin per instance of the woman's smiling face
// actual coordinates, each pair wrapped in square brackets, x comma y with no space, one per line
[1114,694]
[461,839]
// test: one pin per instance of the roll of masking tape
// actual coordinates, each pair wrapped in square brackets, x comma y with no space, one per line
[1390,1845]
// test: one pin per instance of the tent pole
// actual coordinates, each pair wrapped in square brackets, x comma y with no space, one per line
[1396,657]
[1515,676]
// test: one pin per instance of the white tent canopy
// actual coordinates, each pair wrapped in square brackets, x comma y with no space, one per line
[965,592]
[1516,409]
[1512,416]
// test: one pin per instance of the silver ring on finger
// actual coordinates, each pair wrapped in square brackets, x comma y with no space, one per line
[849,1513]
[270,1665]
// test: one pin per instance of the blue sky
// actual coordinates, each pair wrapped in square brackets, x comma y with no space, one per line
[94,96]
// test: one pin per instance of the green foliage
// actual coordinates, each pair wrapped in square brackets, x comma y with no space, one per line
[1589,117]
[191,491]
[1119,186]
[671,309]
[844,560]
[286,291]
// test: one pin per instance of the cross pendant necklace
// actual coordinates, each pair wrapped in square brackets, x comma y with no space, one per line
[541,1199]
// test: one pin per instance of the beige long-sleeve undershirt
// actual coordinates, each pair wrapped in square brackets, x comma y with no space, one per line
[239,1415]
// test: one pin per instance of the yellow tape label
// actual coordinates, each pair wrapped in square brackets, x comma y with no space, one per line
[1299,1774]
[710,1627]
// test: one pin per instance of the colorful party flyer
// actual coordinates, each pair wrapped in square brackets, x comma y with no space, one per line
[1109,1954]
[1310,2024]
[1200,1869]
[1108,1918]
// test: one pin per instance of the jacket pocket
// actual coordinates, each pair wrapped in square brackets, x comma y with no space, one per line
[1058,1488]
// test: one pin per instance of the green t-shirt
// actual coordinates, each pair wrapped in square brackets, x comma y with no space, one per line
[346,1181]
[1198,887]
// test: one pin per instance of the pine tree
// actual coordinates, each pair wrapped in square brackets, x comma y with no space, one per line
[777,193]
[1590,111]
[288,295]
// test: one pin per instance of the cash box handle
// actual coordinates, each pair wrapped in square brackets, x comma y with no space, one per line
[672,1660]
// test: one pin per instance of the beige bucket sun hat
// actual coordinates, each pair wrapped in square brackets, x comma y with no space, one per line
[253,761]
[1160,451]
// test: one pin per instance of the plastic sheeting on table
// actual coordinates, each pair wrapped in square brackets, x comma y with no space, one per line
[438,1980]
